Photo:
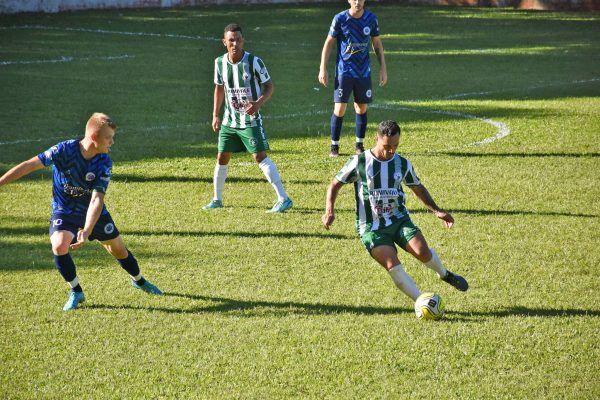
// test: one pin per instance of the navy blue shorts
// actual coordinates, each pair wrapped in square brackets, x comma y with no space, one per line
[105,228]
[361,87]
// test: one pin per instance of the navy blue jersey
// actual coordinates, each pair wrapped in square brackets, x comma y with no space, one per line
[353,39]
[74,178]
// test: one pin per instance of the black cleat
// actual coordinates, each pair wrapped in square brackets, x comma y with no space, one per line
[360,148]
[457,281]
[335,151]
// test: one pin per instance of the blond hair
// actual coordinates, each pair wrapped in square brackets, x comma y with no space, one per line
[98,122]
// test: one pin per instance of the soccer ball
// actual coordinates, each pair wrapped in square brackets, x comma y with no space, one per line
[429,306]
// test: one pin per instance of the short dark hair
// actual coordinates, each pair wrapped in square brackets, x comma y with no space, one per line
[388,128]
[232,28]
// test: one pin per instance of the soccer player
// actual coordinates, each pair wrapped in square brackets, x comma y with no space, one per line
[353,29]
[81,171]
[382,220]
[243,83]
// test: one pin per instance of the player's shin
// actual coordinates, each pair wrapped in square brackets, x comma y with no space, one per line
[272,174]
[220,174]
[66,268]
[361,127]
[404,282]
[435,264]
[130,265]
[336,129]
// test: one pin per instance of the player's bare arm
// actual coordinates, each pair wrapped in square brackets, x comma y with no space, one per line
[255,106]
[93,213]
[19,171]
[332,192]
[218,99]
[378,49]
[323,78]
[423,194]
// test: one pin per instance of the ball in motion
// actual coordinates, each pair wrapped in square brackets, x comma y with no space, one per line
[429,306]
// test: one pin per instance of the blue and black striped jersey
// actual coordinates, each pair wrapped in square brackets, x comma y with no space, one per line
[353,39]
[74,178]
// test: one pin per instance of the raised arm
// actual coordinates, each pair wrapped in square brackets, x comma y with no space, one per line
[93,213]
[378,48]
[423,194]
[218,99]
[332,192]
[19,171]
[325,59]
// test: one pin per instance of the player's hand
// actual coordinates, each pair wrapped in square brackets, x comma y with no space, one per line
[382,77]
[216,124]
[323,77]
[253,107]
[82,236]
[327,220]
[446,217]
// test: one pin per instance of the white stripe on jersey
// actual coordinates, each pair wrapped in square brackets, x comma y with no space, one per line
[236,84]
[226,116]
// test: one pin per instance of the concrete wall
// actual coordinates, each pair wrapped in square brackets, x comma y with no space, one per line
[52,6]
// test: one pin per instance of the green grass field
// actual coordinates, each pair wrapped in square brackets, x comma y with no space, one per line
[273,306]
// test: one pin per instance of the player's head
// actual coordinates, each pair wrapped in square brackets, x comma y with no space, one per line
[357,5]
[233,40]
[100,130]
[387,139]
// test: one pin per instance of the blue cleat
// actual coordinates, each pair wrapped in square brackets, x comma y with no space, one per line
[147,287]
[282,206]
[213,204]
[74,299]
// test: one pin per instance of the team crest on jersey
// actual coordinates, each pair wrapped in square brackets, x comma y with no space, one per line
[90,176]
[253,142]
[109,228]
[366,30]
[397,176]
[245,76]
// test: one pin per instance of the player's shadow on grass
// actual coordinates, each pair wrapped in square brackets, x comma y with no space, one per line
[515,155]
[128,178]
[239,234]
[252,308]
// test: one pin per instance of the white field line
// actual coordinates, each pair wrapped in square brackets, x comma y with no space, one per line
[150,34]
[577,82]
[65,59]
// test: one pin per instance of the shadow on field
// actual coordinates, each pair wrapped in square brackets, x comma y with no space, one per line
[126,178]
[241,234]
[516,155]
[252,308]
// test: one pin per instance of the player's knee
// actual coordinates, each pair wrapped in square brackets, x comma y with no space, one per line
[60,248]
[223,158]
[259,157]
[360,108]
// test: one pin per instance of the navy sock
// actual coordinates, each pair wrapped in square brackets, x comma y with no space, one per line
[66,268]
[130,264]
[361,126]
[336,127]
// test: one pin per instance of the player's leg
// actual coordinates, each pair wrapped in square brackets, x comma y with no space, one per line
[228,142]
[387,257]
[418,247]
[116,247]
[341,94]
[63,231]
[380,245]
[363,95]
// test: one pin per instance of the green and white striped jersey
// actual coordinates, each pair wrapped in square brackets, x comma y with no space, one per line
[379,194]
[242,83]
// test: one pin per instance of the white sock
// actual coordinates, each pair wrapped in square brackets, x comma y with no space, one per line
[360,140]
[404,282]
[272,175]
[335,142]
[436,264]
[74,283]
[137,277]
[219,177]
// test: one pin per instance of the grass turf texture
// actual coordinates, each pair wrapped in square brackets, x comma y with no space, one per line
[273,306]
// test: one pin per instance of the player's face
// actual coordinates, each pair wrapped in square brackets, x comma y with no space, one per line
[357,5]
[104,139]
[386,146]
[234,42]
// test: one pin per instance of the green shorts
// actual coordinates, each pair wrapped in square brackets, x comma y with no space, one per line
[235,140]
[399,232]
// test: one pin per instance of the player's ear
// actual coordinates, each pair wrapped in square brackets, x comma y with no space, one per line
[224,42]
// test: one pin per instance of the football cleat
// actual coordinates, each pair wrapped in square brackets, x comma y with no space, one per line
[282,206]
[335,151]
[74,299]
[147,287]
[457,281]
[360,148]
[213,204]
